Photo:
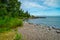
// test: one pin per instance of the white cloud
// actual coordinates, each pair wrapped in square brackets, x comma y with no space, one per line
[52,3]
[29,5]
[41,7]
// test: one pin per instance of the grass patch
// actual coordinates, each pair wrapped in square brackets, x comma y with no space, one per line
[10,22]
[15,22]
[7,35]
[10,35]
[4,30]
[6,23]
[18,37]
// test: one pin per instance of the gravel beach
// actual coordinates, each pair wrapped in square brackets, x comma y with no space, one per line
[38,32]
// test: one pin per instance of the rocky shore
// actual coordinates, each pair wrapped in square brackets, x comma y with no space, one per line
[38,32]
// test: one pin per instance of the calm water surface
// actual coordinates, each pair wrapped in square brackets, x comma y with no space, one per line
[49,21]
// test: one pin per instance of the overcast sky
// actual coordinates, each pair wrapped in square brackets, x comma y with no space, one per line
[41,7]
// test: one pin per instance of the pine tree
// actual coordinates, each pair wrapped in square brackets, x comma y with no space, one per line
[3,6]
[12,8]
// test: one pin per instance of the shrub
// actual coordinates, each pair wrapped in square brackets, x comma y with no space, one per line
[14,22]
[6,23]
[10,22]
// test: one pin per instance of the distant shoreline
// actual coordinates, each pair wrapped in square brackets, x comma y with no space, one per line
[38,17]
[49,21]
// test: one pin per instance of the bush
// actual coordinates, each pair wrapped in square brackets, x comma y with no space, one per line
[10,22]
[14,22]
[4,21]
[4,30]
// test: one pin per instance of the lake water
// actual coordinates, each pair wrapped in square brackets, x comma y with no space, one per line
[49,21]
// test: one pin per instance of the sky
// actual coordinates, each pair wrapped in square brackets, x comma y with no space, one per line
[41,7]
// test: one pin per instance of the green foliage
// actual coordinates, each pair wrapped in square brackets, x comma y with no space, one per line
[12,8]
[7,23]
[11,14]
[15,22]
[18,37]
[10,22]
[4,29]
[4,21]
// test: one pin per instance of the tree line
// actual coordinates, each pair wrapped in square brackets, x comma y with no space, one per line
[12,8]
[11,14]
